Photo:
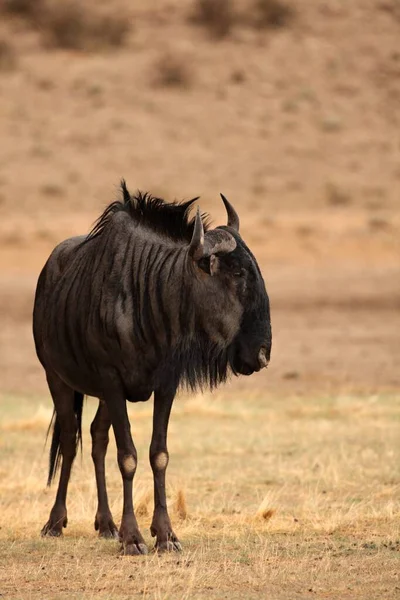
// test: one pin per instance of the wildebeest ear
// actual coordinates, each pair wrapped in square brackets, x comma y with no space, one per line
[209,264]
[213,265]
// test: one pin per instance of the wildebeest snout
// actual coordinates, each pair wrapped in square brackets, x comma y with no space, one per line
[262,357]
[251,359]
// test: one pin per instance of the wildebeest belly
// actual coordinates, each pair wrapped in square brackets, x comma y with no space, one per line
[139,395]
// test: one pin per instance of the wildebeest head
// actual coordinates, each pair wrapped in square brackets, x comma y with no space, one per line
[232,293]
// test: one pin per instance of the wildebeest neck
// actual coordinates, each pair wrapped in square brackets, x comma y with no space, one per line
[157,313]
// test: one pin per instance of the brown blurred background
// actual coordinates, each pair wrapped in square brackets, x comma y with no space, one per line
[290,108]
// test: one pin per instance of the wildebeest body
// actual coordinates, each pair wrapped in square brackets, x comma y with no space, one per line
[145,303]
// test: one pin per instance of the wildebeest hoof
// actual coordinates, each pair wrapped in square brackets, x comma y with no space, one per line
[134,549]
[49,531]
[106,528]
[109,534]
[168,546]
[52,530]
[54,526]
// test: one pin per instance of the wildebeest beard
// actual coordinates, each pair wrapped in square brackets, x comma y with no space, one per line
[197,365]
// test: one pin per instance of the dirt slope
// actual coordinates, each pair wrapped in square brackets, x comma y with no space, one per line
[298,126]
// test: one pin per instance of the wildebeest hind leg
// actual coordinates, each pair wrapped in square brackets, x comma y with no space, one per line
[103,523]
[161,525]
[129,534]
[64,441]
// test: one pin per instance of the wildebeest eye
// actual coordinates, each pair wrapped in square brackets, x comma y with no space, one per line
[204,264]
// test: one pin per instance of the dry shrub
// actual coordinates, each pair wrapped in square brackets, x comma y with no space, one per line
[172,71]
[379,224]
[73,26]
[272,14]
[392,7]
[336,196]
[217,16]
[70,24]
[23,8]
[8,57]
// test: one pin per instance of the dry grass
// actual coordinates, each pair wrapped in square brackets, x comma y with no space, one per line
[270,499]
[180,507]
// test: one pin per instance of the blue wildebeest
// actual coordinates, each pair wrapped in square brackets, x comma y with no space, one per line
[148,301]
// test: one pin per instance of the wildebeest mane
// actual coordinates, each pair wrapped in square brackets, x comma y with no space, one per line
[169,219]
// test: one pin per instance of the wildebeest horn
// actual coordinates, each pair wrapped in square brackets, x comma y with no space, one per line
[233,217]
[196,248]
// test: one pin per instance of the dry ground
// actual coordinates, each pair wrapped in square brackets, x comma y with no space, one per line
[299,127]
[325,473]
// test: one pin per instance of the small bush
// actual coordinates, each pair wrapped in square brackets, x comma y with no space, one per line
[8,58]
[71,26]
[379,224]
[392,7]
[23,8]
[172,71]
[337,196]
[217,16]
[273,14]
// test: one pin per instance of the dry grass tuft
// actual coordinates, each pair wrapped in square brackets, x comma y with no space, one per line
[267,513]
[272,14]
[72,26]
[180,506]
[217,16]
[265,510]
[172,71]
[142,503]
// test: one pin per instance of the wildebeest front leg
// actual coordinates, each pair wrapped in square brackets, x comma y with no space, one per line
[129,534]
[103,523]
[161,524]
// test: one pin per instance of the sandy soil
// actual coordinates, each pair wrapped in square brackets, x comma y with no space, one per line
[298,126]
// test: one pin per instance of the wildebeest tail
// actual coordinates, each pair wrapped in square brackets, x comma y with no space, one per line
[55,449]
